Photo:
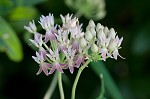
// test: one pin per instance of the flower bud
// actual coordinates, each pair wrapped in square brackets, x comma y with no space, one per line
[94,48]
[112,33]
[91,23]
[93,32]
[83,42]
[88,36]
[112,45]
[106,30]
[100,33]
[31,27]
[98,27]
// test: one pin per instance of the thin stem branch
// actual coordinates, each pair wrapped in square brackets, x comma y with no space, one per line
[77,78]
[51,87]
[101,96]
[60,86]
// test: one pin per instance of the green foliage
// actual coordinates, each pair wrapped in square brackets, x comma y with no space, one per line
[5,7]
[23,13]
[9,42]
[20,16]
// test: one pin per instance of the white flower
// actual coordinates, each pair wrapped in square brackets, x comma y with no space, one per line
[70,54]
[47,22]
[67,46]
[37,40]
[40,59]
[68,22]
[31,27]
[54,57]
[114,46]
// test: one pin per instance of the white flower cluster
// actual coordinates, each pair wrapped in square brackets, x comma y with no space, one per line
[103,40]
[66,46]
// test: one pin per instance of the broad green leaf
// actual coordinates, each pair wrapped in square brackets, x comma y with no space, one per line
[20,16]
[98,68]
[23,13]
[9,42]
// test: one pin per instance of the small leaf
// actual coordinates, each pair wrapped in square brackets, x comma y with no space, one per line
[9,42]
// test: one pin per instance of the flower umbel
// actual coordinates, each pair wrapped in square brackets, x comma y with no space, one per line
[66,46]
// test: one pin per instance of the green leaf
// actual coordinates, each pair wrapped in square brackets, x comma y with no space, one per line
[9,42]
[23,13]
[98,68]
[20,16]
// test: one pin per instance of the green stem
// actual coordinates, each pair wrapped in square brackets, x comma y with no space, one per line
[60,85]
[46,46]
[101,96]
[77,78]
[51,87]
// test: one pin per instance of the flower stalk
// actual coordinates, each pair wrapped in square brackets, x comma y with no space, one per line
[77,78]
[60,86]
[51,87]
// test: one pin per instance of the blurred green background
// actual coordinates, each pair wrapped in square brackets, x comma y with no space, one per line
[124,79]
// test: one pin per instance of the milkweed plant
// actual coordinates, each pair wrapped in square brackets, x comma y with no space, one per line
[68,46]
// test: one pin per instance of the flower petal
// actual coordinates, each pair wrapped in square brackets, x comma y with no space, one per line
[59,69]
[52,70]
[71,68]
[115,53]
[39,71]
[44,68]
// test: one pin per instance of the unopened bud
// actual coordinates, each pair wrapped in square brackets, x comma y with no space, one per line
[93,32]
[94,48]
[112,45]
[100,33]
[112,33]
[88,36]
[83,42]
[91,23]
[99,26]
[106,30]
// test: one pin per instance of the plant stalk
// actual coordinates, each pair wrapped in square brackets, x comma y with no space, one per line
[77,78]
[60,86]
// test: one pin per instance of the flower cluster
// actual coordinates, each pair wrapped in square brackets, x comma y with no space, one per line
[91,9]
[66,46]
